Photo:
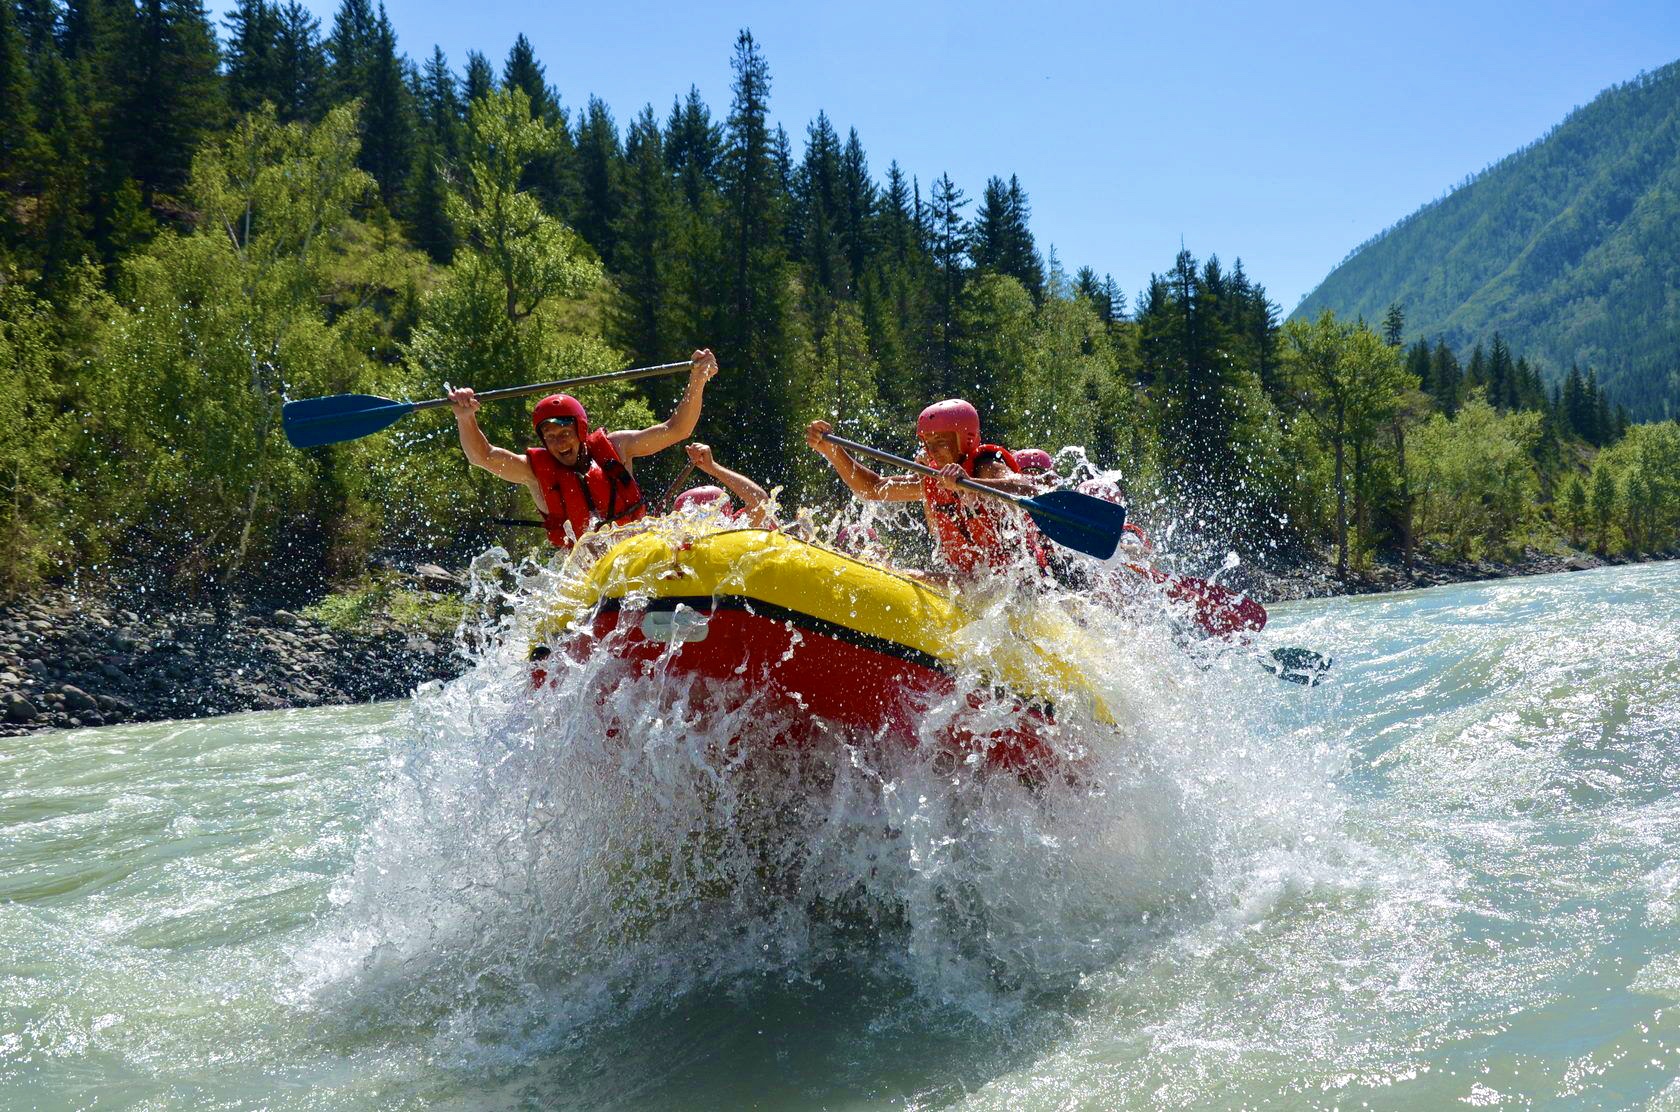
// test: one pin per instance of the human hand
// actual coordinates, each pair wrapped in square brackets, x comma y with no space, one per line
[951,476]
[814,433]
[700,455]
[463,401]
[702,366]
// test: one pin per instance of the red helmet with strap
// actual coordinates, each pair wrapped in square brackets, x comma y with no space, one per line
[952,415]
[561,405]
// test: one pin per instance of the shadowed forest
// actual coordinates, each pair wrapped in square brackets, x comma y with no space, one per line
[201,218]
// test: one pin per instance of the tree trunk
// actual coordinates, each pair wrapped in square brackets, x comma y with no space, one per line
[1360,528]
[1341,492]
[1405,492]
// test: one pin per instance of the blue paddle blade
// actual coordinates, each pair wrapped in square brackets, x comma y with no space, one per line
[1078,521]
[312,422]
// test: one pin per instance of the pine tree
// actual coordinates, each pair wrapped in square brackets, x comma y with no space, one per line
[813,234]
[1574,402]
[522,71]
[950,244]
[22,149]
[897,218]
[1418,365]
[350,50]
[169,95]
[643,238]
[752,192]
[857,201]
[387,116]
[442,113]
[553,176]
[250,57]
[1394,325]
[600,166]
[63,223]
[1501,376]
[1022,262]
[300,66]
[1446,378]
[693,148]
[480,79]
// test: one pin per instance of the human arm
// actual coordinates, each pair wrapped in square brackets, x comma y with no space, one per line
[680,425]
[753,497]
[862,481]
[500,462]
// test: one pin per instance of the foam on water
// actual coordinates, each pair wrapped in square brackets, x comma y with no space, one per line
[543,861]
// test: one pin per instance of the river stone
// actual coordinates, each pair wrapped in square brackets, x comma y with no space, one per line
[76,700]
[18,709]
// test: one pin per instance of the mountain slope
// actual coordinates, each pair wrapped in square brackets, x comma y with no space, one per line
[1570,248]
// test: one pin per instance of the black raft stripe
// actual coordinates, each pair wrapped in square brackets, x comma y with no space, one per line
[705,604]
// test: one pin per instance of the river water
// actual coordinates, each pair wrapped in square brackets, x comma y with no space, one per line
[1450,877]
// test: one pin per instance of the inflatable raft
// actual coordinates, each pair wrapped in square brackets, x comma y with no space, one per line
[827,637]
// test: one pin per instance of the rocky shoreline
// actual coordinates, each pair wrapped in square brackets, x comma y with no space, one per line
[68,660]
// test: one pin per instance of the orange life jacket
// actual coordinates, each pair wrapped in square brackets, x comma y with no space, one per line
[973,532]
[578,499]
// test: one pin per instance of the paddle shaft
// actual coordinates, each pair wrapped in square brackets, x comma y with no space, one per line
[629,375]
[888,457]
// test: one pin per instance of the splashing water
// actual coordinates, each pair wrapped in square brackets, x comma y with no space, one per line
[543,860]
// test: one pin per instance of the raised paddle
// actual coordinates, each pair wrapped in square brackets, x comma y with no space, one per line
[312,422]
[1073,520]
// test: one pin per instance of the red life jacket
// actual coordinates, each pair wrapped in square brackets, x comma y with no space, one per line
[973,532]
[603,493]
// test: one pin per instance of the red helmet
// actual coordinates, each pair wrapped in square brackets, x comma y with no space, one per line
[561,405]
[702,496]
[952,415]
[1034,459]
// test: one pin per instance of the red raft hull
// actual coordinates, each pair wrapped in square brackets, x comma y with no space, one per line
[811,669]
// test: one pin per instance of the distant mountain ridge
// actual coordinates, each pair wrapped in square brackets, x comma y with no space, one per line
[1569,248]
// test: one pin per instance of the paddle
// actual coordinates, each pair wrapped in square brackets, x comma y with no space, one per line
[312,422]
[1094,526]
[1073,520]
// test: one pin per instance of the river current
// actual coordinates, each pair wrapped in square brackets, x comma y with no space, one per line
[1449,877]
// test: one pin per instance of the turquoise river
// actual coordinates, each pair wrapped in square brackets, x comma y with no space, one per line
[1449,877]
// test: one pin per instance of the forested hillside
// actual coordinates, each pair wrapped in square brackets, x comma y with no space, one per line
[1569,248]
[199,221]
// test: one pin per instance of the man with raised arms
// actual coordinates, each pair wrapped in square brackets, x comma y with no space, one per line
[581,477]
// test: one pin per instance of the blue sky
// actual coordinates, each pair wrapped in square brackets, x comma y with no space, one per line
[1284,134]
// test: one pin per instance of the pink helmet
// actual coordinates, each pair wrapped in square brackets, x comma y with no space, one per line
[1034,460]
[952,415]
[561,406]
[702,496]
[1106,489]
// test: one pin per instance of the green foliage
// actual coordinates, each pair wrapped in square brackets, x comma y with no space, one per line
[271,269]
[215,325]
[1473,478]
[379,602]
[1568,248]
[1641,489]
